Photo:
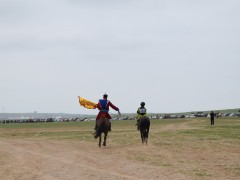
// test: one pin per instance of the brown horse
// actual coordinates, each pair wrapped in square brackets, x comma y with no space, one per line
[102,127]
[144,125]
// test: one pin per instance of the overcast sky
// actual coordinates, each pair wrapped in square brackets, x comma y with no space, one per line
[175,55]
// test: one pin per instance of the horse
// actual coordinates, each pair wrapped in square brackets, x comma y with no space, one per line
[218,115]
[103,127]
[144,125]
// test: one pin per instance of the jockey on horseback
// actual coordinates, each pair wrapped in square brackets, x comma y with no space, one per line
[142,111]
[103,106]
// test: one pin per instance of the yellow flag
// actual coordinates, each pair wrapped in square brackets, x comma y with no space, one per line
[86,103]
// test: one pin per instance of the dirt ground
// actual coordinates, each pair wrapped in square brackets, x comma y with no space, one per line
[46,159]
[31,159]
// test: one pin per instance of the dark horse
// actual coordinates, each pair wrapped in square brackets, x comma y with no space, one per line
[103,127]
[144,125]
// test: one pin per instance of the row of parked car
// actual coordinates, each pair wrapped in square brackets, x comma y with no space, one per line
[166,116]
[231,114]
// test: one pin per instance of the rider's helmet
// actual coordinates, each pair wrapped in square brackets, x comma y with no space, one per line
[105,95]
[142,104]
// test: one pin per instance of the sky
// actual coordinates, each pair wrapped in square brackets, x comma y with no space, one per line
[176,56]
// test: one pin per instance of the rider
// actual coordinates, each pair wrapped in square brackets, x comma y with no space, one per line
[103,106]
[142,111]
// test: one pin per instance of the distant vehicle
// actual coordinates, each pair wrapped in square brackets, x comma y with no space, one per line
[190,116]
[233,114]
[198,115]
[84,119]
[49,120]
[226,114]
[173,116]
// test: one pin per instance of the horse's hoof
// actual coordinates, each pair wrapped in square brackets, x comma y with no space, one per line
[104,144]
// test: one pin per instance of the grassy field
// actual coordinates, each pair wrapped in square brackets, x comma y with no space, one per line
[187,146]
[199,129]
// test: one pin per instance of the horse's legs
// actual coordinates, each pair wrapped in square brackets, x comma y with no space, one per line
[146,137]
[141,133]
[100,139]
[147,132]
[105,139]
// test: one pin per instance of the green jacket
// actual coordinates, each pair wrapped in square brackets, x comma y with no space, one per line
[142,111]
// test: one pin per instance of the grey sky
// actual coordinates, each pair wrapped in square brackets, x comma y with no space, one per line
[174,55]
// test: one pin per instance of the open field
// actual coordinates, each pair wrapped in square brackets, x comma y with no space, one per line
[177,149]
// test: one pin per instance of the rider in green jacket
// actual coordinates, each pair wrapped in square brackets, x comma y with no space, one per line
[142,111]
